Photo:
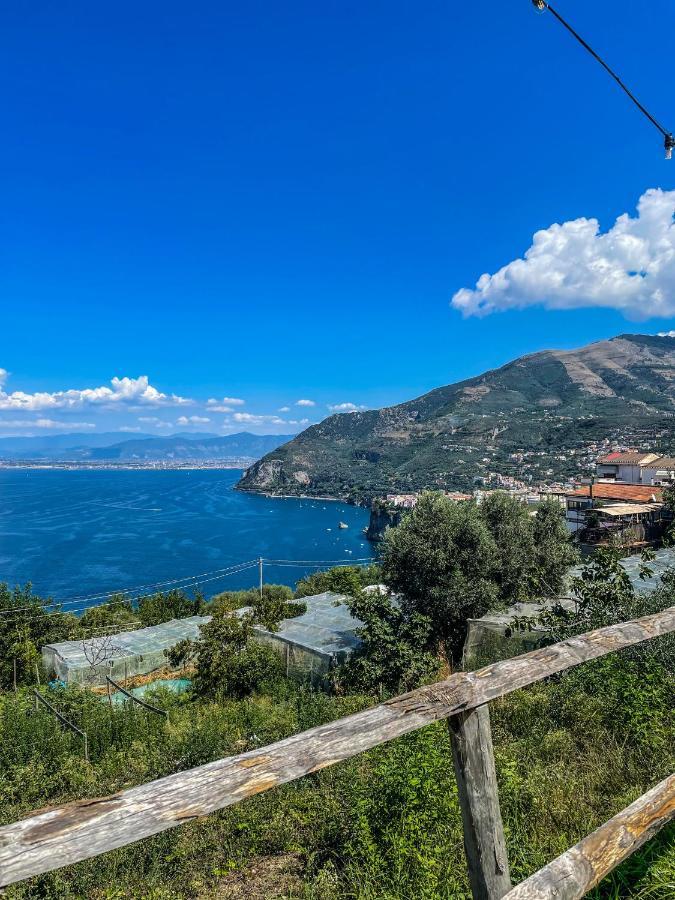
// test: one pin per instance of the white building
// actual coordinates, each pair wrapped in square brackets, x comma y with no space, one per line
[630,467]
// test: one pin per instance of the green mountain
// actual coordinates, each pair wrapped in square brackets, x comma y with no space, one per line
[542,416]
[192,447]
[141,448]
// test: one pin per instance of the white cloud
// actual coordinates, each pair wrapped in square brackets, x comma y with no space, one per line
[123,391]
[257,420]
[153,420]
[305,403]
[251,419]
[666,334]
[130,428]
[284,409]
[48,424]
[225,405]
[192,420]
[4,375]
[345,407]
[631,267]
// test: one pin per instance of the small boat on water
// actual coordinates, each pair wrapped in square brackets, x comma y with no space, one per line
[342,525]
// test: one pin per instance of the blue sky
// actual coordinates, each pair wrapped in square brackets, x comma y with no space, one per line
[272,203]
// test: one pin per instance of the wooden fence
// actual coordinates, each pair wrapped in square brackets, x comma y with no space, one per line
[77,831]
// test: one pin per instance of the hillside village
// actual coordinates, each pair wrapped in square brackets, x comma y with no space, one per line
[540,421]
[410,635]
[170,686]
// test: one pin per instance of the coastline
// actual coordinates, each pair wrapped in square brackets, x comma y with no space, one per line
[137,467]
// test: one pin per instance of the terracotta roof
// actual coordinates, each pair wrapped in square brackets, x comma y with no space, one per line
[629,458]
[633,493]
[663,462]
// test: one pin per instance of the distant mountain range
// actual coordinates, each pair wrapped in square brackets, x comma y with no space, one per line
[534,418]
[142,448]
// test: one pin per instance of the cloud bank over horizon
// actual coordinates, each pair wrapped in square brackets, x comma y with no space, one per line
[122,391]
[630,267]
[124,406]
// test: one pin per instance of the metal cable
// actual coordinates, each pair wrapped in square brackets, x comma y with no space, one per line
[669,141]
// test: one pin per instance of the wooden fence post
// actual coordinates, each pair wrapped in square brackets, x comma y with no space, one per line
[484,841]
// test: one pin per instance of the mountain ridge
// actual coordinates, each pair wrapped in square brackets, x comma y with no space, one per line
[553,402]
[109,447]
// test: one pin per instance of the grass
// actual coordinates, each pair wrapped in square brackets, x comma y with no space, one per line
[384,825]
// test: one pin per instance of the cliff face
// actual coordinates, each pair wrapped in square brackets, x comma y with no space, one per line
[382,518]
[552,402]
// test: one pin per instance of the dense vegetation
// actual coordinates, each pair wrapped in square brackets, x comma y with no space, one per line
[570,752]
[534,417]
[447,563]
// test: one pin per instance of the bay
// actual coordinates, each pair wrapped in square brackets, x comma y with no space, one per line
[77,534]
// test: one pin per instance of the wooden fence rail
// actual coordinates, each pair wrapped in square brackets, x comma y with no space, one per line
[77,831]
[579,869]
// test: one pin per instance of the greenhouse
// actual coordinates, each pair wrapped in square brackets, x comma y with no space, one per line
[118,656]
[318,640]
[493,637]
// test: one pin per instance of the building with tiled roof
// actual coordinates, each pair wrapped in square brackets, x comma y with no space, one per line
[586,497]
[636,467]
[627,458]
[630,493]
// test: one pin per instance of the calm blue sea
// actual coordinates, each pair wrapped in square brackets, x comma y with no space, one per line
[81,533]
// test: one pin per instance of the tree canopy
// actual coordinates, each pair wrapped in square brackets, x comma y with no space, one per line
[446,563]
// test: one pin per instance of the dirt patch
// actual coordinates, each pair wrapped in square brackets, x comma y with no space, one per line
[158,675]
[267,878]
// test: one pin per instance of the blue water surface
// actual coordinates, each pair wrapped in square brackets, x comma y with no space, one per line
[81,533]
[177,685]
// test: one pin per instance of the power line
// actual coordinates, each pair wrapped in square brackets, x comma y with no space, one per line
[129,596]
[125,593]
[669,140]
[124,598]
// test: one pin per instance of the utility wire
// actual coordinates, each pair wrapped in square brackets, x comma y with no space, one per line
[130,595]
[125,598]
[85,599]
[669,140]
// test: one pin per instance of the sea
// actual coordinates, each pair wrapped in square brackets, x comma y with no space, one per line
[78,535]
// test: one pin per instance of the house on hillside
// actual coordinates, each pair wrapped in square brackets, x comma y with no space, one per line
[635,467]
[612,514]
[629,467]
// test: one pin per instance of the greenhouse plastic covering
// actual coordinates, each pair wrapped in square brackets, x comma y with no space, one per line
[492,637]
[118,655]
[319,639]
[310,645]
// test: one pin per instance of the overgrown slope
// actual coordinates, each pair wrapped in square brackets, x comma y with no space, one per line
[549,405]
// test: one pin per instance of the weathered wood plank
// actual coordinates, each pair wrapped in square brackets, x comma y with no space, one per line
[484,842]
[80,830]
[583,866]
